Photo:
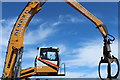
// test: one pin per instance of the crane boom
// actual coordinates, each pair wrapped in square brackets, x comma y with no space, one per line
[89,15]
[17,37]
[107,58]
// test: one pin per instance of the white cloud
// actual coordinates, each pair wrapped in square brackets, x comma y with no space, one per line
[36,20]
[56,23]
[2,20]
[31,37]
[26,66]
[62,48]
[69,18]
[7,25]
[114,48]
[31,53]
[68,74]
[48,28]
[89,54]
[35,36]
[81,75]
[1,36]
[41,33]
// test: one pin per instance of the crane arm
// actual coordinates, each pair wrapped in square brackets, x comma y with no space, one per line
[107,40]
[17,37]
[90,16]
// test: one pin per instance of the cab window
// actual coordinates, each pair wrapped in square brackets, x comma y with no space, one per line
[49,55]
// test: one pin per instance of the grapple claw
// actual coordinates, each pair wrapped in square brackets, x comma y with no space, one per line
[109,61]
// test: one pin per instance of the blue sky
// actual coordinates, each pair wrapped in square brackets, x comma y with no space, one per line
[59,25]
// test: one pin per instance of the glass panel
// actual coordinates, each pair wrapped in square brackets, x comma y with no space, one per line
[44,55]
[51,55]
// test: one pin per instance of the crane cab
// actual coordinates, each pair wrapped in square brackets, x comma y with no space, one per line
[47,61]
[46,64]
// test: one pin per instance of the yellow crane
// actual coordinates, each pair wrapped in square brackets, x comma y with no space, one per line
[47,60]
